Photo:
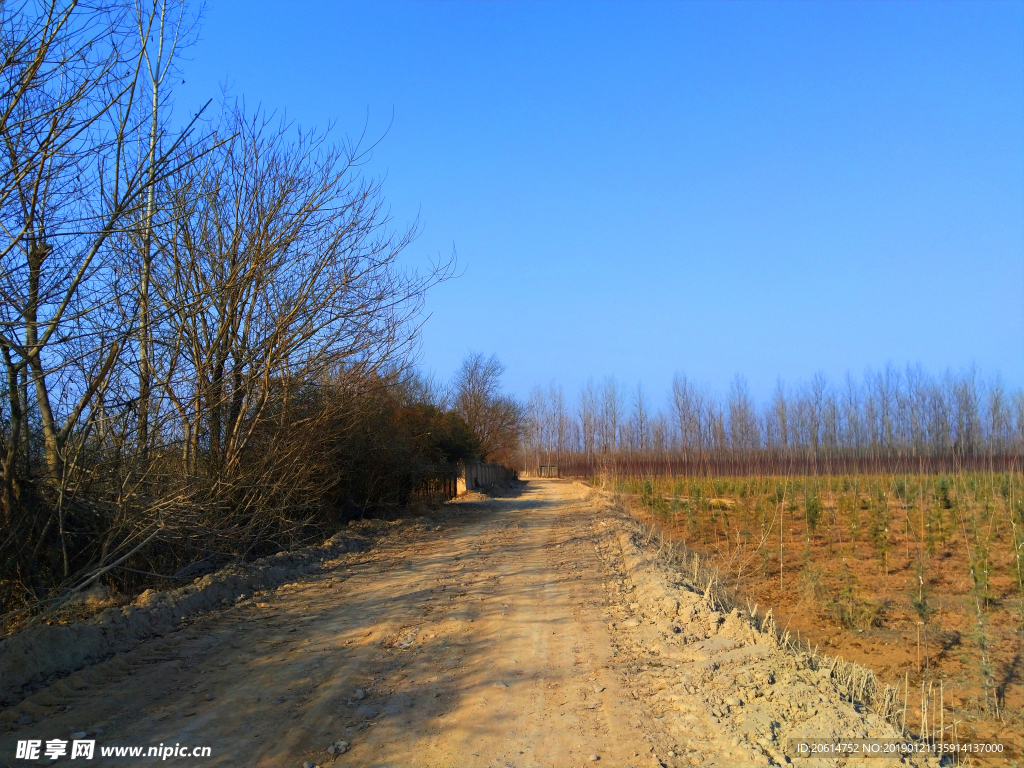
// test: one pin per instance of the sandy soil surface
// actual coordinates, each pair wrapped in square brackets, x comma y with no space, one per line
[528,630]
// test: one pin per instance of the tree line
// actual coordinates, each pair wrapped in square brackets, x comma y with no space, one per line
[206,334]
[893,414]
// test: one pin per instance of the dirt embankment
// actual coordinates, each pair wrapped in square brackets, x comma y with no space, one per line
[532,630]
[45,651]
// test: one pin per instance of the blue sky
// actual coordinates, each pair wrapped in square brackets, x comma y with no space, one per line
[772,189]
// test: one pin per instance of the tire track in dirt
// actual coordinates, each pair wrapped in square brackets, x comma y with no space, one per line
[513,678]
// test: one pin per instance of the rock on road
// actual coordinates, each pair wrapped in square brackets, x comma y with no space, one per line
[496,633]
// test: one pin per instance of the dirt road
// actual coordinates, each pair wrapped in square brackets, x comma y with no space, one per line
[504,631]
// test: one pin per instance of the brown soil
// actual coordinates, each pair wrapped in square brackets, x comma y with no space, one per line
[947,653]
[532,630]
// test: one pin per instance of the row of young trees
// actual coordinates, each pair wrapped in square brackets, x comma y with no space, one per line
[206,332]
[890,413]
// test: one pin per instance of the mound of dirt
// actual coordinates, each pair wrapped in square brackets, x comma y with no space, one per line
[45,650]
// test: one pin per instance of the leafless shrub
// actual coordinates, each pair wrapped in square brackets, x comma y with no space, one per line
[205,336]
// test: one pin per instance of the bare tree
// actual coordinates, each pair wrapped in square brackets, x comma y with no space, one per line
[611,415]
[687,407]
[559,426]
[887,415]
[189,326]
[58,89]
[588,414]
[497,419]
[743,429]
[640,426]
[163,29]
[68,191]
[776,419]
[852,415]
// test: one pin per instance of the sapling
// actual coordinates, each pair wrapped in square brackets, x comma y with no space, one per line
[880,528]
[762,550]
[852,505]
[812,510]
[647,494]
[977,561]
[942,492]
[852,611]
[1015,511]
[919,598]
[812,513]
[690,509]
[782,526]
[811,584]
[981,639]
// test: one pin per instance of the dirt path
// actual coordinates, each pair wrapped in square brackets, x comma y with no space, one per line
[479,643]
[501,632]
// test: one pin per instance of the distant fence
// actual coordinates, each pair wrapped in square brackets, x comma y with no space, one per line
[437,487]
[782,465]
[470,475]
[480,475]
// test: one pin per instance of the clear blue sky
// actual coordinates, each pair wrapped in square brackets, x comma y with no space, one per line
[773,189]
